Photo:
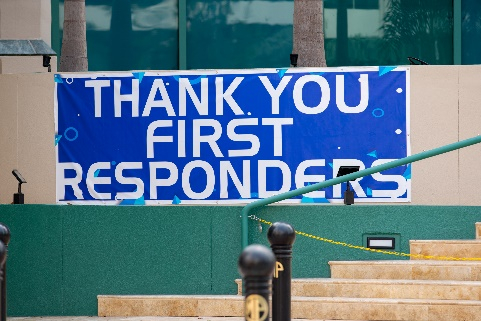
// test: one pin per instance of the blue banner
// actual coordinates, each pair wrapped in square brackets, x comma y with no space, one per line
[230,136]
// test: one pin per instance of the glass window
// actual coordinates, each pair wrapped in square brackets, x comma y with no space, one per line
[131,34]
[143,34]
[471,32]
[239,34]
[386,32]
[366,4]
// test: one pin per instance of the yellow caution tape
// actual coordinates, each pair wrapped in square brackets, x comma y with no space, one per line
[352,246]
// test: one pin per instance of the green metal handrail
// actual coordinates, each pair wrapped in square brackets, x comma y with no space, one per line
[350,177]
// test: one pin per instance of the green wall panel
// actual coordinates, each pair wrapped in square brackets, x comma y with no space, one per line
[226,247]
[62,257]
[134,250]
[34,264]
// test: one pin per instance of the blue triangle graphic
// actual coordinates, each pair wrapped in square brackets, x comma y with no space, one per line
[127,202]
[176,200]
[58,79]
[192,82]
[330,164]
[140,201]
[139,75]
[369,192]
[97,172]
[407,172]
[57,139]
[196,80]
[307,200]
[373,154]
[314,200]
[254,195]
[281,72]
[317,73]
[385,69]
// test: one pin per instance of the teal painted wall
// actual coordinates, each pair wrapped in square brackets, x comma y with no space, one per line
[62,257]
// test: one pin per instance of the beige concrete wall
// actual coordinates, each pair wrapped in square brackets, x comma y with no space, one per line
[25,19]
[434,123]
[25,64]
[27,136]
[469,126]
[445,107]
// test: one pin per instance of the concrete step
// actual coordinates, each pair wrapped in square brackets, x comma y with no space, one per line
[446,248]
[170,305]
[407,270]
[302,307]
[381,288]
[154,318]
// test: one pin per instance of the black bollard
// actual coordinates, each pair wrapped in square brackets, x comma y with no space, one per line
[281,236]
[3,256]
[5,239]
[256,264]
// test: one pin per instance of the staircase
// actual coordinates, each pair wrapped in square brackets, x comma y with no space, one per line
[357,290]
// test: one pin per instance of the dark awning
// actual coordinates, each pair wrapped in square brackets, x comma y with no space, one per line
[25,48]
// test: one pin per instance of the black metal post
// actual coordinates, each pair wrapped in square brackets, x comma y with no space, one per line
[3,256]
[256,264]
[294,58]
[348,195]
[281,236]
[18,198]
[5,239]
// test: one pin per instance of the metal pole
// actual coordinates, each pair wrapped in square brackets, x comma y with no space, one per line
[349,177]
[5,239]
[256,264]
[281,236]
[3,256]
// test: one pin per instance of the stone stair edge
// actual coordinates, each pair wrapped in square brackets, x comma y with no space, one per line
[170,296]
[385,300]
[311,299]
[382,281]
[468,241]
[141,318]
[405,262]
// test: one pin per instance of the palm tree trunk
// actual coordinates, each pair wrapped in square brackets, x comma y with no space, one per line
[308,35]
[74,43]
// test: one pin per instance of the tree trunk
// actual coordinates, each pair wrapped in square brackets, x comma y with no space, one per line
[74,43]
[308,36]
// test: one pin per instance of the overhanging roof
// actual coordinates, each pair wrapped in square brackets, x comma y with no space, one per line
[25,48]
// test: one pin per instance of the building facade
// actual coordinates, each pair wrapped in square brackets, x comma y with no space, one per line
[209,34]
